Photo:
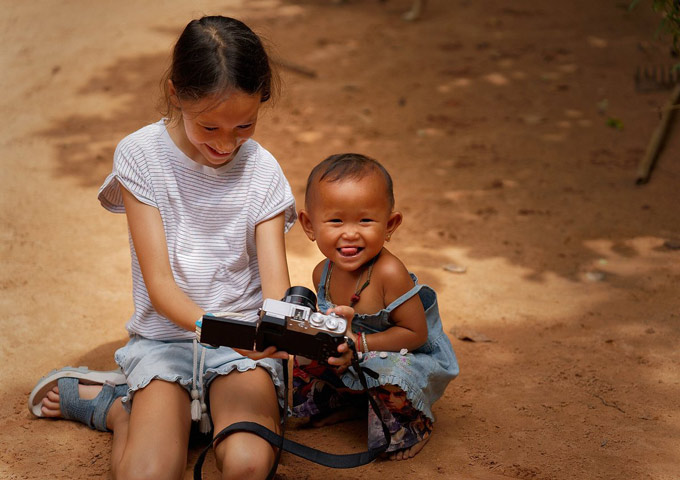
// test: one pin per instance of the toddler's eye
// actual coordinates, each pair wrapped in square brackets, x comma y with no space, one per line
[209,129]
[335,220]
[245,127]
[366,220]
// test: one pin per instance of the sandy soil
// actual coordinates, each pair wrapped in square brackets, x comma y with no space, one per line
[497,120]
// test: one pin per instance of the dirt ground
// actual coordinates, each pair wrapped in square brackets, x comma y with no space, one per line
[513,131]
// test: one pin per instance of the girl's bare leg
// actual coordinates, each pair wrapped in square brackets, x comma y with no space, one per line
[151,442]
[237,397]
[157,437]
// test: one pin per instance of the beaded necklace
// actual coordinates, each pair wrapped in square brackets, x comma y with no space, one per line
[356,296]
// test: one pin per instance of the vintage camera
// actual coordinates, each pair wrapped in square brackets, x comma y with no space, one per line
[291,325]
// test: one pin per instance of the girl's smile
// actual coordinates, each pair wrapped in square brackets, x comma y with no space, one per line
[212,130]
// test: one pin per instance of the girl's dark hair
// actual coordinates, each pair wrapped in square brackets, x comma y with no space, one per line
[349,165]
[215,54]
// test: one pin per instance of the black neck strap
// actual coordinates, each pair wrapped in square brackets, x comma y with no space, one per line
[280,443]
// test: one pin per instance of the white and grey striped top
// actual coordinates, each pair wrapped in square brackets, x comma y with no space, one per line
[209,215]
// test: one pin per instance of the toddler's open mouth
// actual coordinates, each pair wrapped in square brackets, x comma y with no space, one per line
[349,251]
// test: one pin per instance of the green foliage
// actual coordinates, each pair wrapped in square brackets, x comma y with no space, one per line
[670,22]
[616,123]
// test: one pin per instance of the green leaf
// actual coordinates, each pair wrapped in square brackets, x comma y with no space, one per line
[615,123]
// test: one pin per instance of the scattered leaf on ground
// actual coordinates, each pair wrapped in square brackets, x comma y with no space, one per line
[468,335]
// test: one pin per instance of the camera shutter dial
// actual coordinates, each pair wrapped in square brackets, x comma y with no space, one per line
[332,323]
[317,320]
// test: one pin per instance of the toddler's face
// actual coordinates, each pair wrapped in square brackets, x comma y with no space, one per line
[350,219]
[215,129]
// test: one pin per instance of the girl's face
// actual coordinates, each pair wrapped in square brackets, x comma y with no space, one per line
[350,220]
[215,128]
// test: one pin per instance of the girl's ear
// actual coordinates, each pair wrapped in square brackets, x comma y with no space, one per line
[392,224]
[172,93]
[306,224]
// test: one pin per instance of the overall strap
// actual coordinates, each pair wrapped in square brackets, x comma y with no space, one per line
[406,296]
[322,294]
[322,282]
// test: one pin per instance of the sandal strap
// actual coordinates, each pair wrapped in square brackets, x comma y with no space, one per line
[90,412]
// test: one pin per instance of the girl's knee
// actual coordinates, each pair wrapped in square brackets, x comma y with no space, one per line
[243,455]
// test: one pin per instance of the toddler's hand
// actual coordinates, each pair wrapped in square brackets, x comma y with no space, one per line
[345,359]
[342,362]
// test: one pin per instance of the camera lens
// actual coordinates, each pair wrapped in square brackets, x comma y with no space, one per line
[301,296]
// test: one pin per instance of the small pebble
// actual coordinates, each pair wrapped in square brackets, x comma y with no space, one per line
[383,354]
[403,351]
[672,244]
[453,268]
[595,276]
[532,119]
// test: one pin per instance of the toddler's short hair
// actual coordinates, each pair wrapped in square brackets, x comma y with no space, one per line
[349,165]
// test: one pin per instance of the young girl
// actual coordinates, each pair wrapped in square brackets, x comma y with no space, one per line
[349,213]
[207,208]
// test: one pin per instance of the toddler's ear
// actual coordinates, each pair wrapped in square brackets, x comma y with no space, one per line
[392,224]
[306,224]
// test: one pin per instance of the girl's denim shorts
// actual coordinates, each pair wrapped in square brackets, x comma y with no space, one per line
[143,360]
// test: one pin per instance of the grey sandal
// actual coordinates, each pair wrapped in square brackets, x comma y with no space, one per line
[90,412]
[84,376]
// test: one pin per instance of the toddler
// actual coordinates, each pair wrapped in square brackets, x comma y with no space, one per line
[395,324]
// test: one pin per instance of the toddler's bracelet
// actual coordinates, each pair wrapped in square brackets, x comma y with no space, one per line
[364,343]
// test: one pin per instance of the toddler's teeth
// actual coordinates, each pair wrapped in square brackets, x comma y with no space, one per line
[349,250]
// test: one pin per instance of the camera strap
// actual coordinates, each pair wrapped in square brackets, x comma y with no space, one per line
[317,456]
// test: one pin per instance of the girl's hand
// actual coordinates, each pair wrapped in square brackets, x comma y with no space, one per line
[269,352]
[345,359]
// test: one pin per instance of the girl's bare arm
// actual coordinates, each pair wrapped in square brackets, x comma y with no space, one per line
[148,237]
[271,257]
[273,266]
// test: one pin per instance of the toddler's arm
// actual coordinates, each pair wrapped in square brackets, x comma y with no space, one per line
[410,327]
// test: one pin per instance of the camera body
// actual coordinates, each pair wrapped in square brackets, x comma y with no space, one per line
[291,325]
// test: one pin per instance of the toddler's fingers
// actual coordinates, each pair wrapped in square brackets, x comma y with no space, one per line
[344,360]
[342,310]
